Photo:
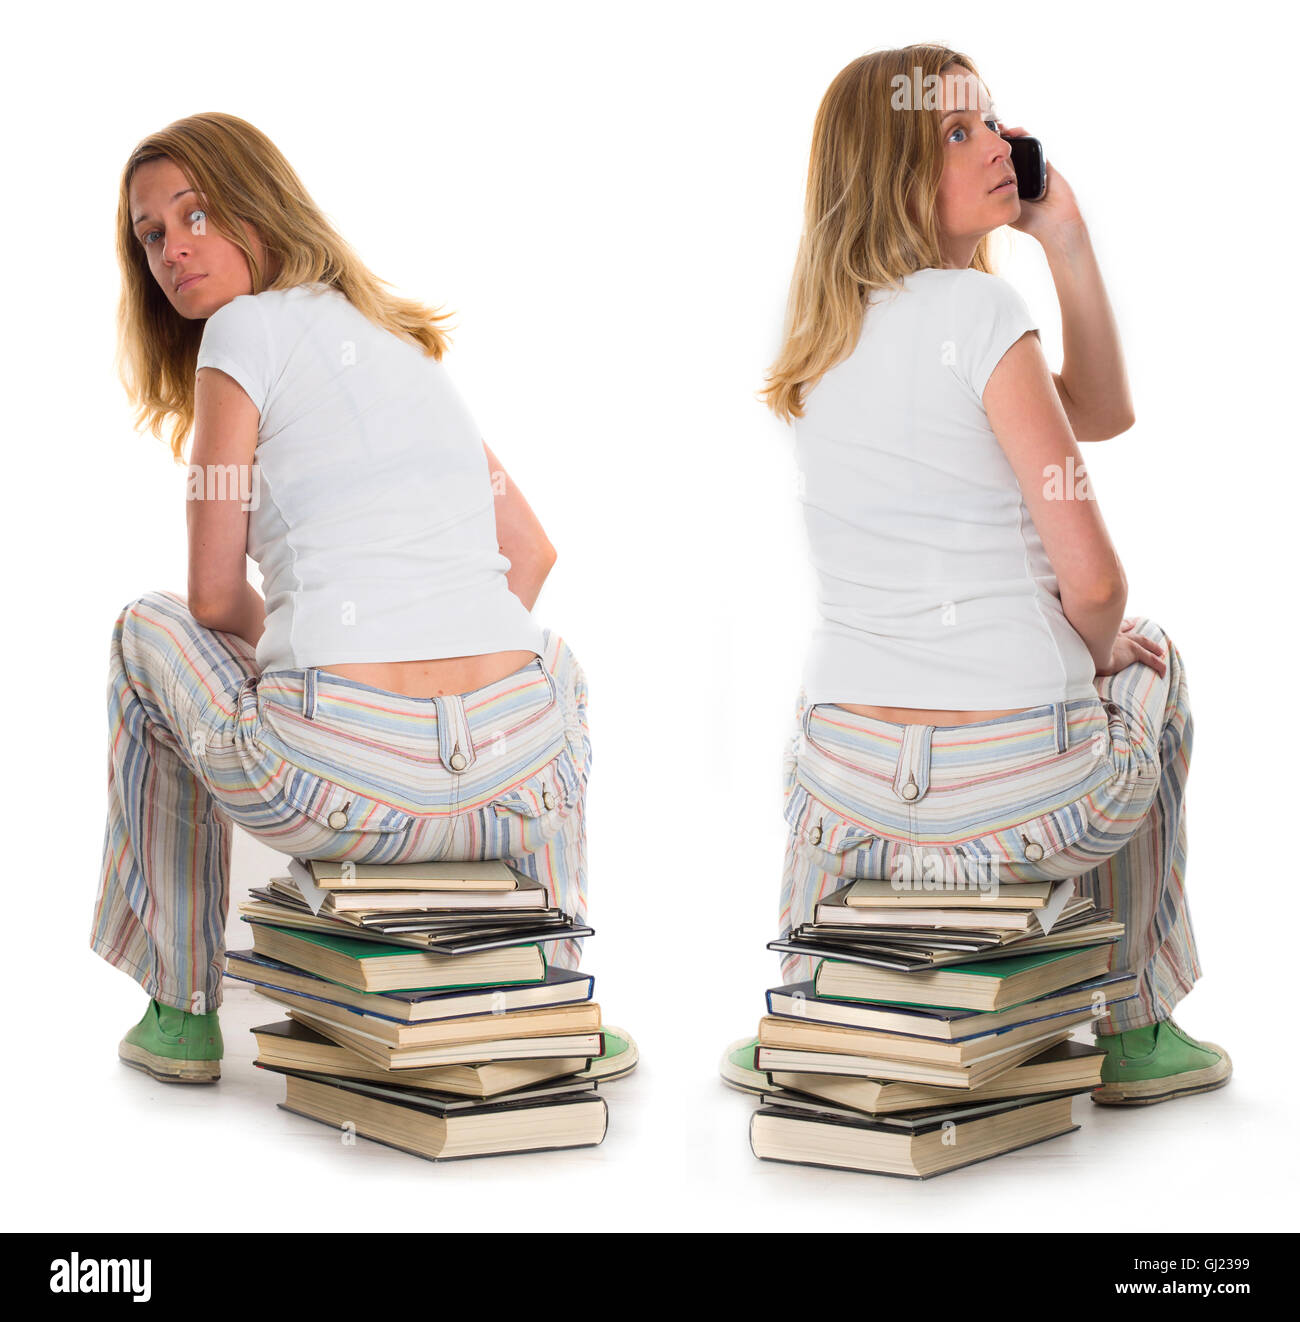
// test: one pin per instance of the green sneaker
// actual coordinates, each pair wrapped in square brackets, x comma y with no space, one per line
[619,1058]
[737,1067]
[174,1046]
[1157,1063]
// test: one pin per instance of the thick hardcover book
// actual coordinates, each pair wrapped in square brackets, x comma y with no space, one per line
[545,1021]
[923,1073]
[544,1125]
[798,1137]
[445,1103]
[294,1045]
[992,984]
[369,966]
[964,914]
[467,904]
[490,874]
[1065,1066]
[869,892]
[912,1122]
[791,1034]
[799,1000]
[379,1050]
[559,987]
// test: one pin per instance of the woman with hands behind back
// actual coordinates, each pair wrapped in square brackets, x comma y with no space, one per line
[391,697]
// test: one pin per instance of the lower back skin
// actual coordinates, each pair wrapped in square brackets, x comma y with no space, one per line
[434,678]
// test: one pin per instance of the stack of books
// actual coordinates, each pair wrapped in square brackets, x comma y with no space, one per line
[422,1010]
[937,1029]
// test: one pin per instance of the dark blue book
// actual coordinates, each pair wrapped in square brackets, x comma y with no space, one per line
[799,1000]
[559,987]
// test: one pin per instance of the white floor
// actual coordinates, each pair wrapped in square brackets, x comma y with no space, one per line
[676,1155]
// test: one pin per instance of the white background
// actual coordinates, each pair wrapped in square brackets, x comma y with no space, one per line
[609,197]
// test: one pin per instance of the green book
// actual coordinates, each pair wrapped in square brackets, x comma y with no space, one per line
[355,947]
[986,984]
[372,966]
[1009,964]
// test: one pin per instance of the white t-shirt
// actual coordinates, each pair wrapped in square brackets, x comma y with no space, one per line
[373,521]
[933,586]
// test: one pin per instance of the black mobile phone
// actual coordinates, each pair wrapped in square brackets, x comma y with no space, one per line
[1030,165]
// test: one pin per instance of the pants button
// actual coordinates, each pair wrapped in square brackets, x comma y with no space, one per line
[1033,851]
[458,760]
[338,819]
[815,835]
[548,799]
[910,791]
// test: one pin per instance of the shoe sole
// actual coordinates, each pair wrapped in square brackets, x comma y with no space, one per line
[1145,1092]
[737,1076]
[166,1070]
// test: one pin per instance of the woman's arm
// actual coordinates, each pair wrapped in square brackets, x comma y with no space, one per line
[520,536]
[220,489]
[1092,384]
[1031,427]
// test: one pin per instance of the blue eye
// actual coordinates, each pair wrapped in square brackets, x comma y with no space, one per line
[198,211]
[992,123]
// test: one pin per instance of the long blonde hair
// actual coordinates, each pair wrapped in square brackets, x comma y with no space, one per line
[242,176]
[869,212]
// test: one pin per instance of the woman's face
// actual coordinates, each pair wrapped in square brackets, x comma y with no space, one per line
[198,269]
[976,162]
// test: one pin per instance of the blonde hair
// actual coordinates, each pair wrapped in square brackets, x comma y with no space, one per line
[869,212]
[242,176]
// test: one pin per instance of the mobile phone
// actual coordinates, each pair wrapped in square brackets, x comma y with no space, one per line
[1030,165]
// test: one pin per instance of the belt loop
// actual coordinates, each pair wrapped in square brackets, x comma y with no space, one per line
[309,693]
[455,747]
[912,775]
[1062,730]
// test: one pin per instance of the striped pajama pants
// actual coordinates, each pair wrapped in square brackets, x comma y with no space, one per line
[1092,788]
[318,766]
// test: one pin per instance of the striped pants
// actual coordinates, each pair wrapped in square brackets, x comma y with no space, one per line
[1091,789]
[318,766]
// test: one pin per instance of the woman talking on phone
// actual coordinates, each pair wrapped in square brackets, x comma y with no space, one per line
[973,687]
[392,698]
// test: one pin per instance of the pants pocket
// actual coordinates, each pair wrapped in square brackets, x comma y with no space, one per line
[330,804]
[838,845]
[293,809]
[1033,849]
[531,813]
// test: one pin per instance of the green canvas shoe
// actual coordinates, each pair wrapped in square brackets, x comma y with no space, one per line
[1157,1063]
[737,1067]
[174,1046]
[619,1057]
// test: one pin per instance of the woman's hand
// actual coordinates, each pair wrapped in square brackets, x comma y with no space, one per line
[1055,213]
[1129,647]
